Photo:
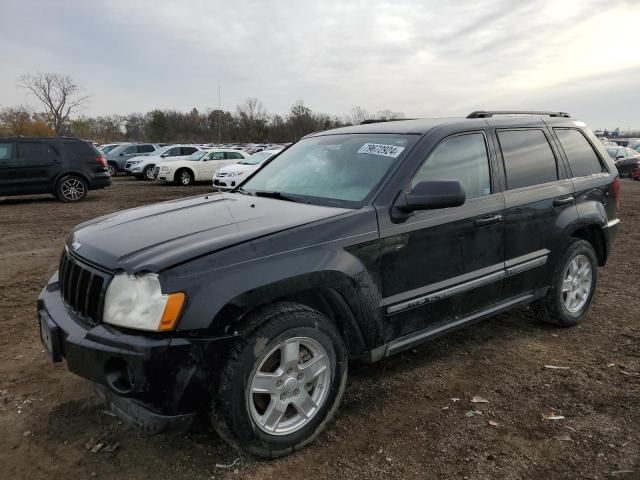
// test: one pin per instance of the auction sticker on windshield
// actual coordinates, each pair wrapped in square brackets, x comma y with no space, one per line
[380,149]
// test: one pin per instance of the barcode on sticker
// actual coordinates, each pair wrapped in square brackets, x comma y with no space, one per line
[380,149]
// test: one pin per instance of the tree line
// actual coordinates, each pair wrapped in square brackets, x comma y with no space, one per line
[60,98]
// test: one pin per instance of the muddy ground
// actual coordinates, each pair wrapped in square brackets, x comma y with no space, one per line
[406,417]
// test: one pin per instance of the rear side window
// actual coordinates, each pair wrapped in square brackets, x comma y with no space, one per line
[216,156]
[528,158]
[188,150]
[36,150]
[464,158]
[81,148]
[129,150]
[582,159]
[234,156]
[145,148]
[6,151]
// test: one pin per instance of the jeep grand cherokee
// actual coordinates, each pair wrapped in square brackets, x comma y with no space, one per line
[355,243]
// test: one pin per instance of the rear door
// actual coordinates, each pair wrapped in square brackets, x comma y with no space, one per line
[539,204]
[208,165]
[38,164]
[8,165]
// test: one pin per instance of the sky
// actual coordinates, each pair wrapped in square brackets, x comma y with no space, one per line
[421,57]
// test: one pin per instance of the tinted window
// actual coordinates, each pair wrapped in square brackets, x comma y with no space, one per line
[129,150]
[582,158]
[172,152]
[80,148]
[36,150]
[6,151]
[464,158]
[188,150]
[234,156]
[528,158]
[146,148]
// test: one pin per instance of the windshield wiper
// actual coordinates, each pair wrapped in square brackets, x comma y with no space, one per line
[242,191]
[279,196]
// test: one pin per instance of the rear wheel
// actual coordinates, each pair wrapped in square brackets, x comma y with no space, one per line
[283,382]
[184,177]
[573,286]
[147,173]
[71,188]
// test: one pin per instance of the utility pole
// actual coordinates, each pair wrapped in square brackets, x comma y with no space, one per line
[219,116]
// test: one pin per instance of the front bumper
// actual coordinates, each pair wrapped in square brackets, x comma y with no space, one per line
[155,381]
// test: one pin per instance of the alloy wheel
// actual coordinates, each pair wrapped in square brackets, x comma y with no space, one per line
[577,282]
[72,189]
[290,386]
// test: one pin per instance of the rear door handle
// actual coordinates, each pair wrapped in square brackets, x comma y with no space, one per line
[559,202]
[484,221]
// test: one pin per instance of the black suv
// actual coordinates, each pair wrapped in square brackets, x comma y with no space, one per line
[64,166]
[352,244]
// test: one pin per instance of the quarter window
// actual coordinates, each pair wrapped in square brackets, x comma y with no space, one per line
[146,148]
[528,158]
[6,151]
[234,156]
[464,158]
[582,158]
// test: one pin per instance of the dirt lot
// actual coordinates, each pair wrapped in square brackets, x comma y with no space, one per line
[406,417]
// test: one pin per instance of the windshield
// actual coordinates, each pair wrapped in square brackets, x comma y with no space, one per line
[108,148]
[613,152]
[257,158]
[197,155]
[161,150]
[338,168]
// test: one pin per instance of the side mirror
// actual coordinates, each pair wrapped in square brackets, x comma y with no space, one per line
[164,155]
[432,194]
[122,154]
[620,157]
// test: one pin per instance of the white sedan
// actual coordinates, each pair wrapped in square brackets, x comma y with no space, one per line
[198,167]
[228,177]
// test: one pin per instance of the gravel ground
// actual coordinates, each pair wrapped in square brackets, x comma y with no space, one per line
[410,416]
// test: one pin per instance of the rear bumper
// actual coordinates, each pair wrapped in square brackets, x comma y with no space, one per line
[151,380]
[100,181]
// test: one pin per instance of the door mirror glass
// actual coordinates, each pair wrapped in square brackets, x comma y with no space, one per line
[432,194]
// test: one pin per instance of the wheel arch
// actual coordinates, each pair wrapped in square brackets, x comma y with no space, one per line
[175,175]
[593,234]
[57,178]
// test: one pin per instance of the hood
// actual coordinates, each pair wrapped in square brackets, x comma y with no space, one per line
[159,236]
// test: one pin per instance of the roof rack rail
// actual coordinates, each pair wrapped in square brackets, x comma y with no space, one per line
[491,113]
[375,120]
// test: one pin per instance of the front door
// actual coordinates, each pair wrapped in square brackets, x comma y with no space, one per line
[8,164]
[442,264]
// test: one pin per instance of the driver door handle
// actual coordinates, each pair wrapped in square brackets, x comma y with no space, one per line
[484,221]
[561,201]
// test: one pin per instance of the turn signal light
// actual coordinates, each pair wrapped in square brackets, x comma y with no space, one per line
[172,311]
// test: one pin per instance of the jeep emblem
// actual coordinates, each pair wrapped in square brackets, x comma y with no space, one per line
[76,245]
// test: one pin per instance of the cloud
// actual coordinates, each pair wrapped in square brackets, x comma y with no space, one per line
[425,58]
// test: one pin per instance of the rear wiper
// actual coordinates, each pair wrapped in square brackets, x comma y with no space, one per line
[278,195]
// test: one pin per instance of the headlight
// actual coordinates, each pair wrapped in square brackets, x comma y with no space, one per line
[233,174]
[138,302]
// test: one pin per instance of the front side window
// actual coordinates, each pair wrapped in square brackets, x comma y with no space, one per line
[108,148]
[187,150]
[462,157]
[332,169]
[6,151]
[528,158]
[582,158]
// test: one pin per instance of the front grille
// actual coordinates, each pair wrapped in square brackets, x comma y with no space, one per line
[82,288]
[221,174]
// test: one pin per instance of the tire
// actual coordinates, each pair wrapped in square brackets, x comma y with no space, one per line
[555,308]
[237,412]
[184,177]
[71,188]
[112,169]
[147,173]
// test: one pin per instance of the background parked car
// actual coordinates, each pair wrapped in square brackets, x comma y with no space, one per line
[65,167]
[142,167]
[106,148]
[627,161]
[117,158]
[228,177]
[198,167]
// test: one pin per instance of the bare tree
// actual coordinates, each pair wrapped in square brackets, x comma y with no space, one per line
[59,94]
[357,116]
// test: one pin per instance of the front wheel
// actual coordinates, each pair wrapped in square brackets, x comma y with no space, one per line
[572,288]
[184,177]
[112,169]
[282,383]
[147,173]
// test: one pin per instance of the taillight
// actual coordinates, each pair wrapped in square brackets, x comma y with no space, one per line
[102,161]
[615,189]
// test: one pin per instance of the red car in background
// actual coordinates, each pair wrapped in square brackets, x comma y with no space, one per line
[627,161]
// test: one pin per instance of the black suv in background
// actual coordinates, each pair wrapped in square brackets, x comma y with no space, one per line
[64,166]
[355,243]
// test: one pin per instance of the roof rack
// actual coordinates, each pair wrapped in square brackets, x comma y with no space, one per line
[375,120]
[491,113]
